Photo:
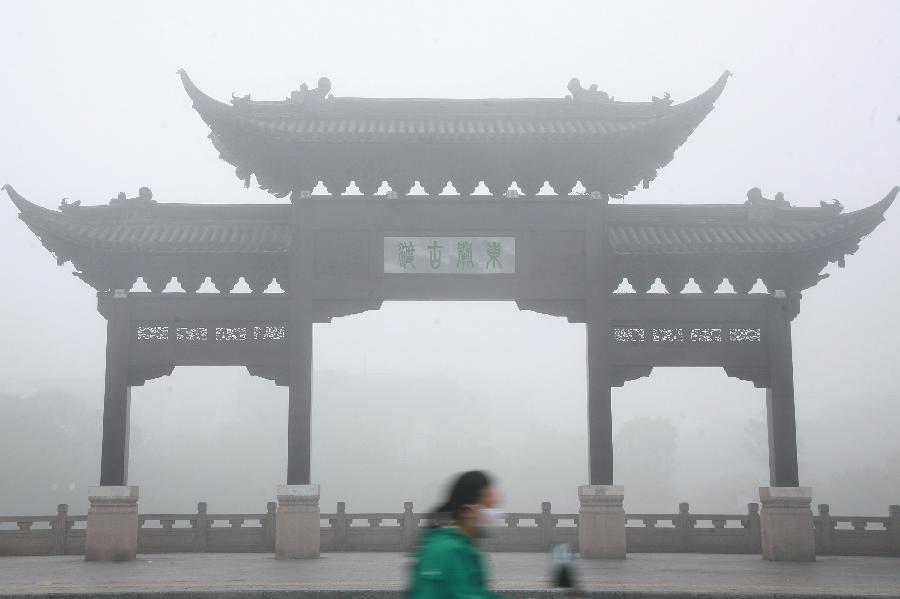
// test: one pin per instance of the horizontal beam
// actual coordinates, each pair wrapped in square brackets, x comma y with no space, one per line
[655,308]
[201,307]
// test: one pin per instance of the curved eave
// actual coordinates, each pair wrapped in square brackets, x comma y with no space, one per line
[838,235]
[555,120]
[57,230]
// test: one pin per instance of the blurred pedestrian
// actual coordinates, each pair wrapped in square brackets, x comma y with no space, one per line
[562,571]
[448,563]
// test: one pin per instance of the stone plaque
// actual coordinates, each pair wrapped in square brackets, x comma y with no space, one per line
[450,255]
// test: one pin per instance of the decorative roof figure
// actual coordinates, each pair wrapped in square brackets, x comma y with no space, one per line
[319,93]
[591,94]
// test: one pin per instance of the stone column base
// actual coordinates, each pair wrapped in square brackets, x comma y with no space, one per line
[297,531]
[112,524]
[786,524]
[601,521]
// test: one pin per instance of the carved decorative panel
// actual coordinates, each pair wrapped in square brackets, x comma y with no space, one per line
[153,333]
[745,335]
[231,333]
[269,333]
[706,335]
[191,333]
[668,335]
[678,335]
[628,335]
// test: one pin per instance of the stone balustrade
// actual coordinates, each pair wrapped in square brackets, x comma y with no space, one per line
[684,532]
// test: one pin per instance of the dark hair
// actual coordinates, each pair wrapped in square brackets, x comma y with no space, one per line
[467,489]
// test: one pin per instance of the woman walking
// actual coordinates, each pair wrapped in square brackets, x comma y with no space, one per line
[448,564]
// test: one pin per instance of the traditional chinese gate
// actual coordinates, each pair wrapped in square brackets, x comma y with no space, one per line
[561,255]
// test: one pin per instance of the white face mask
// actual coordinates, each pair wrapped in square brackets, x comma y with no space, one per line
[492,517]
[488,518]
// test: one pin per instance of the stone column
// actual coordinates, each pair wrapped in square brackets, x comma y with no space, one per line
[823,530]
[297,530]
[786,524]
[117,392]
[301,276]
[780,394]
[409,526]
[601,521]
[112,524]
[894,513]
[62,529]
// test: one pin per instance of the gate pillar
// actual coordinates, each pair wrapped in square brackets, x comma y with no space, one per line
[297,533]
[112,524]
[601,521]
[786,520]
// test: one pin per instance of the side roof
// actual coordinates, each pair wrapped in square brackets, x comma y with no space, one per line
[759,234]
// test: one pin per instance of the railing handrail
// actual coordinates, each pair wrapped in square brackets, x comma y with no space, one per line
[16,519]
[850,519]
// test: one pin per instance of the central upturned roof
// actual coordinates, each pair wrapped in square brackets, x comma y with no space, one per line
[588,136]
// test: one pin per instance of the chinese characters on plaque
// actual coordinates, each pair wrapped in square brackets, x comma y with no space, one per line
[450,255]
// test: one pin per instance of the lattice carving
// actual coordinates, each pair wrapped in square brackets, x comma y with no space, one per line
[156,282]
[708,283]
[706,335]
[231,333]
[224,283]
[744,335]
[742,283]
[191,334]
[269,333]
[668,335]
[629,335]
[674,284]
[191,282]
[641,282]
[258,282]
[153,333]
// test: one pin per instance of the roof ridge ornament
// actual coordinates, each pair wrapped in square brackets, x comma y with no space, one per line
[590,94]
[317,94]
[66,206]
[137,207]
[593,94]
[303,95]
[143,198]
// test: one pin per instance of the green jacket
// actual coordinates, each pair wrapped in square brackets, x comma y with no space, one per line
[448,566]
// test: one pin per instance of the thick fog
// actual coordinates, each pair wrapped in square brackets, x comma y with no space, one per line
[410,394]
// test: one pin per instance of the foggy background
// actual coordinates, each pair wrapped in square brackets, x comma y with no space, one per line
[408,395]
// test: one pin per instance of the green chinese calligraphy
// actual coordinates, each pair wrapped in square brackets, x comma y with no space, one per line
[493,252]
[434,255]
[464,255]
[406,254]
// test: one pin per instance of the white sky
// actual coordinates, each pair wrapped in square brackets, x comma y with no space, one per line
[92,106]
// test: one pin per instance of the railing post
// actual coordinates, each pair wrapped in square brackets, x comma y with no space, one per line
[824,527]
[686,526]
[269,524]
[547,525]
[62,528]
[894,512]
[753,528]
[201,526]
[409,526]
[341,527]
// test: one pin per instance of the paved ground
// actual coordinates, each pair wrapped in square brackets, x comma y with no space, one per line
[383,574]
